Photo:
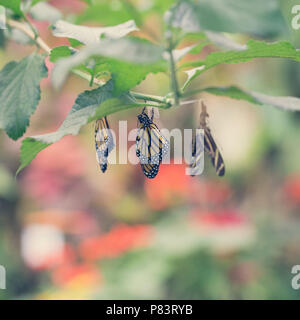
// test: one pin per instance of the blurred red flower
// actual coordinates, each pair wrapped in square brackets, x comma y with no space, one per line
[76,275]
[54,170]
[120,239]
[173,186]
[169,187]
[218,219]
[292,189]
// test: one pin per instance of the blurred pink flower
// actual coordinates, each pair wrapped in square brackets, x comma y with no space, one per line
[81,224]
[50,66]
[54,170]
[64,104]
[74,6]
[70,222]
[209,192]
[218,219]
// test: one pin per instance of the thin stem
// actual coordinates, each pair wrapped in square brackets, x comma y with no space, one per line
[43,45]
[174,82]
[140,96]
[25,29]
[161,106]
[87,77]
[31,26]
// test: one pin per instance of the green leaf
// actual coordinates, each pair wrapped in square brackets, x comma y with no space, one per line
[34,2]
[256,17]
[105,13]
[90,2]
[132,50]
[127,75]
[29,150]
[84,107]
[232,92]
[75,43]
[20,93]
[90,35]
[254,49]
[13,5]
[60,52]
[285,103]
[108,12]
[179,54]
[223,41]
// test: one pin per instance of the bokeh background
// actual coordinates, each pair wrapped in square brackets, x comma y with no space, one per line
[67,231]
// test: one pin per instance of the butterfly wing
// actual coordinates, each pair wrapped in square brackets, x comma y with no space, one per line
[151,145]
[214,153]
[103,141]
[160,145]
[197,162]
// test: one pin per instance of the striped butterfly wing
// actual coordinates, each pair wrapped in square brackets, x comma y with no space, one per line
[103,141]
[197,161]
[159,144]
[214,152]
[151,145]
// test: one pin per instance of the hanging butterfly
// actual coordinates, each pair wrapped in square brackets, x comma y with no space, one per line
[209,146]
[104,142]
[151,145]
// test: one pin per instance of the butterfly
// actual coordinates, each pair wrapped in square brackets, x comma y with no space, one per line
[209,146]
[104,142]
[151,145]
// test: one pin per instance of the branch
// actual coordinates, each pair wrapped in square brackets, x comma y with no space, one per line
[28,31]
